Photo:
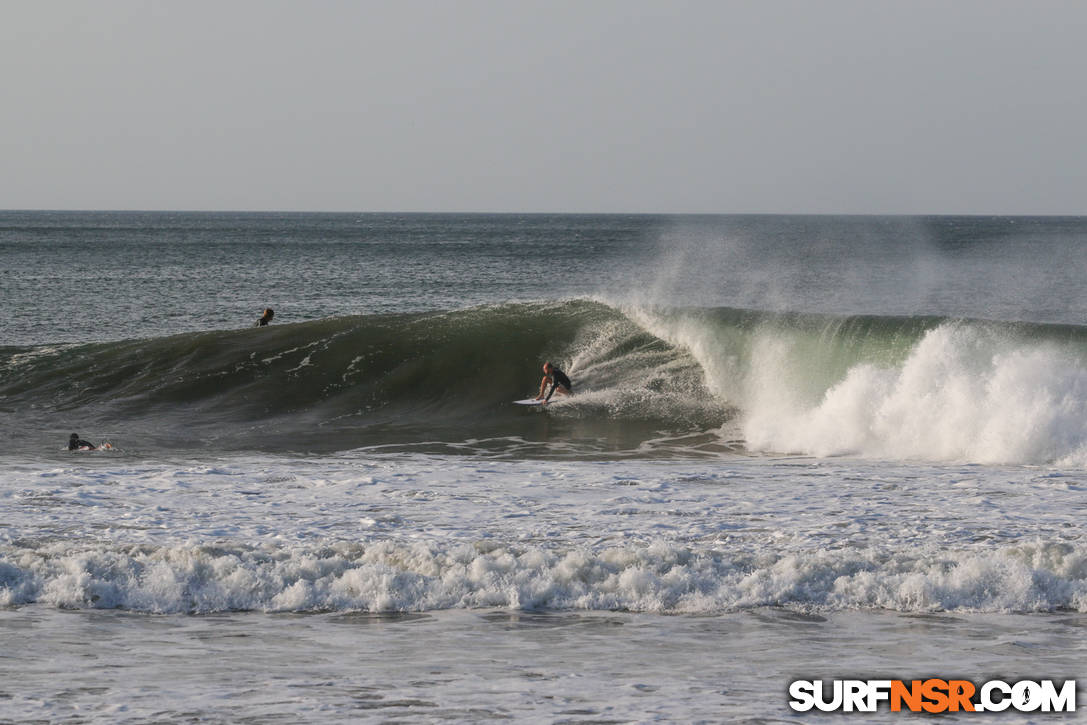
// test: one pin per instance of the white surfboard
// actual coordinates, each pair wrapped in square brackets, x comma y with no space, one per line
[528,401]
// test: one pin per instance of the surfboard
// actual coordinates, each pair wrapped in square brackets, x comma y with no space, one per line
[528,401]
[85,449]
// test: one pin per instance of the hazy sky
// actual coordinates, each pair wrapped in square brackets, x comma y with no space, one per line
[950,106]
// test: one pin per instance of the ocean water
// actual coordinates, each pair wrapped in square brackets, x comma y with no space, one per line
[799,448]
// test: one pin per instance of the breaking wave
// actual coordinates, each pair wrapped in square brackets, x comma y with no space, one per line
[921,388]
[715,379]
[663,578]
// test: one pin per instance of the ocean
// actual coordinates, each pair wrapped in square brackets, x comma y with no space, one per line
[798,448]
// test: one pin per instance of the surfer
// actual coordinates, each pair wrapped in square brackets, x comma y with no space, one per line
[76,444]
[266,317]
[559,382]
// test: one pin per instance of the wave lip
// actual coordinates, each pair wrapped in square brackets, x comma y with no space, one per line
[659,578]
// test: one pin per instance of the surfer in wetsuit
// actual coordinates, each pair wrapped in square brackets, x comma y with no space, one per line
[266,317]
[559,382]
[74,443]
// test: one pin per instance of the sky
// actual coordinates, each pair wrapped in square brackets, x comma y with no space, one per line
[767,106]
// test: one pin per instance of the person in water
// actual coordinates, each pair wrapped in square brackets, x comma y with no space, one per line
[266,317]
[75,444]
[559,382]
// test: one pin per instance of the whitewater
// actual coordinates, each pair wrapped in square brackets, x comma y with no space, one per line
[800,448]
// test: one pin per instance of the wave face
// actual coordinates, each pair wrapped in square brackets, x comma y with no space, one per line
[653,381]
[342,383]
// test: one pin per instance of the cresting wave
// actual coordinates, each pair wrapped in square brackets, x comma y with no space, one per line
[343,383]
[889,387]
[661,578]
[920,388]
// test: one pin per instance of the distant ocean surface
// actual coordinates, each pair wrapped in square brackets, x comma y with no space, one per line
[799,448]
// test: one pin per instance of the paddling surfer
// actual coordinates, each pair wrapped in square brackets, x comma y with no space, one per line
[75,443]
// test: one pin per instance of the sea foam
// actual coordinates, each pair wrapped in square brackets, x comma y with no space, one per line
[897,389]
[661,577]
[963,393]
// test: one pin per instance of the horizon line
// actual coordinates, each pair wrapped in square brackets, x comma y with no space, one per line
[548,213]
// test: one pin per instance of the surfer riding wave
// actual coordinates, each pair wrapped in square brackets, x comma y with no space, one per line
[559,382]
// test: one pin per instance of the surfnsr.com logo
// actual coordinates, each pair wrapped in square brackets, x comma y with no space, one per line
[932,695]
